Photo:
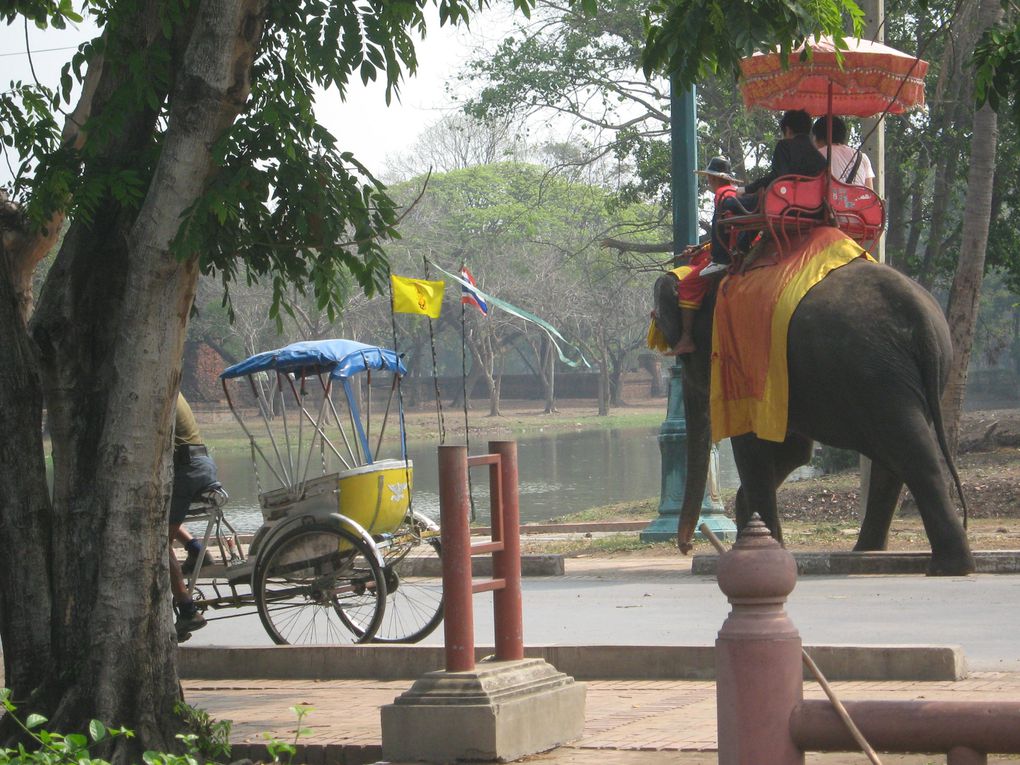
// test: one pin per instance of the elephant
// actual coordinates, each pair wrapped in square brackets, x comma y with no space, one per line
[868,355]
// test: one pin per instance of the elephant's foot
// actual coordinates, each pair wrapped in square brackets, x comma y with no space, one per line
[956,564]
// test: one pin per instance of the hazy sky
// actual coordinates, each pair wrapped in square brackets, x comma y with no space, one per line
[364,124]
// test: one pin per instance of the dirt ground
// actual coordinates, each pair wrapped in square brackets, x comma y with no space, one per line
[823,513]
[827,508]
[820,513]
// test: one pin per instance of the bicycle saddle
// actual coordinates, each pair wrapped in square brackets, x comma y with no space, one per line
[214,494]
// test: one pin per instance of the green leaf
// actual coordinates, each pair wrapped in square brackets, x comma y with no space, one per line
[97,731]
[34,721]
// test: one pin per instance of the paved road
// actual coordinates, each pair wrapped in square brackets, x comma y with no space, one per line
[659,602]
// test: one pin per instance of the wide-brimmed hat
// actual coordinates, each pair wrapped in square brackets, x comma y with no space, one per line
[718,167]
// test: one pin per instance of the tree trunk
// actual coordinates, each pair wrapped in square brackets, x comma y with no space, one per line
[965,294]
[110,330]
[25,511]
[603,357]
[917,222]
[955,94]
[618,361]
[484,353]
[895,204]
[473,376]
[549,376]
[496,393]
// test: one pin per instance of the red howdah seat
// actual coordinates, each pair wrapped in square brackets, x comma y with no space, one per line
[858,211]
[794,204]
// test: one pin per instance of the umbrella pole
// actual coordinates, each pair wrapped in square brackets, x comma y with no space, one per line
[828,157]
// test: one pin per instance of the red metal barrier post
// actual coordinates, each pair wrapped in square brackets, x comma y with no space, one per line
[503,709]
[505,547]
[506,563]
[455,533]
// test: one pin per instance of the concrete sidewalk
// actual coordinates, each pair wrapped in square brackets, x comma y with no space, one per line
[630,722]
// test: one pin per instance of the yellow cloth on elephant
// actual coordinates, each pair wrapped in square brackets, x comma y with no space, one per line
[750,383]
[656,340]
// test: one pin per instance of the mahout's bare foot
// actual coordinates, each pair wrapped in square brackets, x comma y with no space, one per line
[682,348]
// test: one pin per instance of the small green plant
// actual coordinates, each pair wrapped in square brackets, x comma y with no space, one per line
[206,741]
[206,737]
[47,748]
[279,749]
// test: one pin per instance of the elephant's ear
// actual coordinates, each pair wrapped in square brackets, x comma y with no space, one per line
[667,308]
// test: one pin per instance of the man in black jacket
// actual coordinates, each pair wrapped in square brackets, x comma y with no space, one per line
[795,154]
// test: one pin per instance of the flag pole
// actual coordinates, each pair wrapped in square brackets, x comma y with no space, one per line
[435,367]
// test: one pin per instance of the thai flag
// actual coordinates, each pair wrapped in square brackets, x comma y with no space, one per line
[469,296]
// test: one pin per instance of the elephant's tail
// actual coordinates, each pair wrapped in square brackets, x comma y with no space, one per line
[935,405]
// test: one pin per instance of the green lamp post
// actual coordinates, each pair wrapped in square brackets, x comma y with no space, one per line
[673,432]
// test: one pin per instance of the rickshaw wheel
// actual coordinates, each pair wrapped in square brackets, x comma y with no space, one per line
[414,579]
[319,584]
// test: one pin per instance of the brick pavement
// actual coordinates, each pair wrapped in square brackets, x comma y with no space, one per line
[631,722]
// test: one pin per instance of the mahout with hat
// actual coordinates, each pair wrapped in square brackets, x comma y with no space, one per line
[719,167]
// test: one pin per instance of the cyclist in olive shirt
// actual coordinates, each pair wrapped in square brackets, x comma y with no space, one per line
[194,471]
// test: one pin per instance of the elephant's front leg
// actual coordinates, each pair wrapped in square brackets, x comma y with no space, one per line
[883,496]
[763,466]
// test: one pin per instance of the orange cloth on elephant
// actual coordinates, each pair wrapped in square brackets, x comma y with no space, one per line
[750,384]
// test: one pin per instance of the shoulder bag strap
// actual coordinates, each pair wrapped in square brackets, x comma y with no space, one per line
[849,177]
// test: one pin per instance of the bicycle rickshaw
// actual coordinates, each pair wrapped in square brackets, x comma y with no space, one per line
[341,556]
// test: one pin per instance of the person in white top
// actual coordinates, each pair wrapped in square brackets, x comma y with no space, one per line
[845,164]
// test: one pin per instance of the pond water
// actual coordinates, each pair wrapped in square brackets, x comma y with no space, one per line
[559,473]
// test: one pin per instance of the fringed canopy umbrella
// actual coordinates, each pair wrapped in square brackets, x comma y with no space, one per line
[873,78]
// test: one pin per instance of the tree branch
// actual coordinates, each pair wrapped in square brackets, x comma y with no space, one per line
[622,246]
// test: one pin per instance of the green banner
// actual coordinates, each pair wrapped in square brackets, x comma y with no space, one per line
[520,313]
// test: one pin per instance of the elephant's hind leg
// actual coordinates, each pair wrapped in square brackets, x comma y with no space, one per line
[918,461]
[884,489]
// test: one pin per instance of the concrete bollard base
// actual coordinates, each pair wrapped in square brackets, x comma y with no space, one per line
[498,711]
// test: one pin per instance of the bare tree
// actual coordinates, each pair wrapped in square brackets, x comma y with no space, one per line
[458,141]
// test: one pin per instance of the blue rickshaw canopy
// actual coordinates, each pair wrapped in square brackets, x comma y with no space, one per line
[340,358]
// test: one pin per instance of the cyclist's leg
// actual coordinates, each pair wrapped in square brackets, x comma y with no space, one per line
[188,616]
[178,586]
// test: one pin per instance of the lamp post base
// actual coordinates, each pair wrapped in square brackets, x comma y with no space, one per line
[663,528]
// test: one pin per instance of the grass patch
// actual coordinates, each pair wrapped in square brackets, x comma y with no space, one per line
[225,433]
[601,546]
[618,511]
[821,535]
[530,424]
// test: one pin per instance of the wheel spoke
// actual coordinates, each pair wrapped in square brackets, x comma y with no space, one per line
[309,578]
[414,582]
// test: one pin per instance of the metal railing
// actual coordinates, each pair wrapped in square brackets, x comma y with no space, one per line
[459,584]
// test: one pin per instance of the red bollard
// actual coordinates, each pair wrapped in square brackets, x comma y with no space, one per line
[506,563]
[455,534]
[758,653]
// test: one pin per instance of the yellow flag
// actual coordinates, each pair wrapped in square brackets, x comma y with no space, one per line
[417,296]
